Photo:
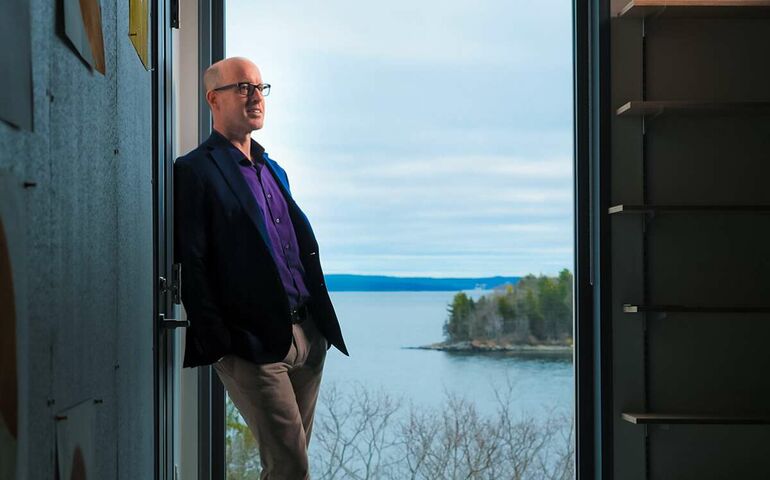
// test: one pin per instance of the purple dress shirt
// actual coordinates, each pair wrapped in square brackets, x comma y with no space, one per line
[275,212]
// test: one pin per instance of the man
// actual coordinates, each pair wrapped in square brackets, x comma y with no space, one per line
[252,283]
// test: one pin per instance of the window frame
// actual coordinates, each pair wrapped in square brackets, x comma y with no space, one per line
[592,334]
[211,392]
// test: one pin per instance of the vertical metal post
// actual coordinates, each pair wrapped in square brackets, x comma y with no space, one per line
[163,339]
[583,305]
[211,394]
[593,347]
[647,219]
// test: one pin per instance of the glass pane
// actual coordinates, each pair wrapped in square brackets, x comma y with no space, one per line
[430,145]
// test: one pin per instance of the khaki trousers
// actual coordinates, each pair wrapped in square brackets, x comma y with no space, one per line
[277,401]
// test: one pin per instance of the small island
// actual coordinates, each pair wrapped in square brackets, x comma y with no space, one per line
[532,316]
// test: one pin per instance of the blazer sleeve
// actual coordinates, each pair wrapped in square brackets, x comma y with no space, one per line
[285,180]
[191,239]
[282,176]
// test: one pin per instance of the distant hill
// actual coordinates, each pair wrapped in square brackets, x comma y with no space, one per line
[381,283]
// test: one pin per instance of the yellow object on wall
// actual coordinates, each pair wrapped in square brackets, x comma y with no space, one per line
[138,23]
[83,27]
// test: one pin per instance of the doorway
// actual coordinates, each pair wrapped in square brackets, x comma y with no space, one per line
[432,149]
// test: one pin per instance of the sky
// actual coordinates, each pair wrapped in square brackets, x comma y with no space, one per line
[421,138]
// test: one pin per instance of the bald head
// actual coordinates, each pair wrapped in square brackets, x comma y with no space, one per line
[235,113]
[226,71]
[211,76]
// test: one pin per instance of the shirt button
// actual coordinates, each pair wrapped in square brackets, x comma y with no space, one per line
[277,220]
[269,196]
[287,246]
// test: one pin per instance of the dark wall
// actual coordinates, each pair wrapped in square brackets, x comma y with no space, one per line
[691,362]
[87,235]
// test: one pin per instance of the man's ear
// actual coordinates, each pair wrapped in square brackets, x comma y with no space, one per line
[211,98]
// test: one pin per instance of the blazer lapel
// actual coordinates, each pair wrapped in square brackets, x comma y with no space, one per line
[281,181]
[238,185]
[298,216]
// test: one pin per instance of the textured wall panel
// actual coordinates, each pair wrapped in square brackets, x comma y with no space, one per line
[89,244]
[134,333]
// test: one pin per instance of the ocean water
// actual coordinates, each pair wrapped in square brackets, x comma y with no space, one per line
[378,325]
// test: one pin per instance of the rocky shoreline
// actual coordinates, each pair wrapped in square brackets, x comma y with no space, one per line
[478,346]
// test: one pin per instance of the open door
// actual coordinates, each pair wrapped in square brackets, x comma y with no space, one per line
[167,275]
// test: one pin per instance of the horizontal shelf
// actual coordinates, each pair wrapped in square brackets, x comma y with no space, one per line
[629,308]
[646,209]
[696,8]
[637,108]
[692,419]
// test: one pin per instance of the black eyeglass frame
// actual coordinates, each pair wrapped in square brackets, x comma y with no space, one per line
[263,88]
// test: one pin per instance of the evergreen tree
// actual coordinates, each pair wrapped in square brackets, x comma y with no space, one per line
[458,325]
[536,309]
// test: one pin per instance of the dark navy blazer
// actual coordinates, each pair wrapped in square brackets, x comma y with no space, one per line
[231,289]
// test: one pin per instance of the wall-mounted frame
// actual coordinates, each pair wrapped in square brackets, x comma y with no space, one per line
[138,29]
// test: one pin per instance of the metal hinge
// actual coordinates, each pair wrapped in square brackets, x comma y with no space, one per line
[173,287]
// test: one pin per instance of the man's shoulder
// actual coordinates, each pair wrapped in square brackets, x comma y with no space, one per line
[198,160]
[194,156]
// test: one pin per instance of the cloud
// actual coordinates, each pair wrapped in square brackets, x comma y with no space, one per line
[449,265]
[461,32]
[421,138]
[488,181]
[429,207]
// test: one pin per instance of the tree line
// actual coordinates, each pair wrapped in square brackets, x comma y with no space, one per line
[536,310]
[371,435]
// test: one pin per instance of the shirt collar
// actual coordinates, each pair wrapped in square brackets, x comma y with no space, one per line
[257,151]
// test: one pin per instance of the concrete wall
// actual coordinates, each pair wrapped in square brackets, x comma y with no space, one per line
[698,363]
[87,228]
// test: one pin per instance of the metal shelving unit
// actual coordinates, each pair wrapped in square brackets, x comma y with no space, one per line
[646,110]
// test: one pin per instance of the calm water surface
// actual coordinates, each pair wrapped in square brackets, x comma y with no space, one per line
[376,327]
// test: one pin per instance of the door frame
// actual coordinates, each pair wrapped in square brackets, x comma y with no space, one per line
[211,392]
[592,328]
[592,332]
[165,311]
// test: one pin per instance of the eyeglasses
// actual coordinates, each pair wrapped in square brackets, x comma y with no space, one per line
[247,89]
